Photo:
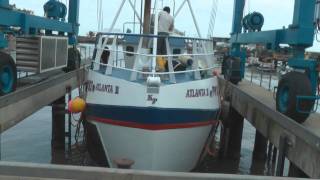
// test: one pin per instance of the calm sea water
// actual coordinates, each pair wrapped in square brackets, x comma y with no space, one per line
[29,141]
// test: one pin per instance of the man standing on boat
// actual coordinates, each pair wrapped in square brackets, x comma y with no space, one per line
[165,26]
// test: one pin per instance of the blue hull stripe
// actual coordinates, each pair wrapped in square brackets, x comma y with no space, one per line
[150,115]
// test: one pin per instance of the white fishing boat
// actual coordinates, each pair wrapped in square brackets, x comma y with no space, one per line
[156,110]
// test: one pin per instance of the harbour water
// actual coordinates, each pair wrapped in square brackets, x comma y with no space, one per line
[29,141]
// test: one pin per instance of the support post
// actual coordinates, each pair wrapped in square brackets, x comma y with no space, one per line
[270,163]
[233,134]
[236,24]
[283,149]
[73,18]
[294,171]
[270,79]
[261,78]
[259,154]
[260,147]
[58,131]
[269,154]
[69,133]
[257,167]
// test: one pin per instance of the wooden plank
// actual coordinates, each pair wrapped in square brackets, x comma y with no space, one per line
[77,172]
[18,105]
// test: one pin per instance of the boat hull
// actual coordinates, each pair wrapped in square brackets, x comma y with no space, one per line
[163,150]
[164,131]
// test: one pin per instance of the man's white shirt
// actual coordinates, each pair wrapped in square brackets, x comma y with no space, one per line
[165,22]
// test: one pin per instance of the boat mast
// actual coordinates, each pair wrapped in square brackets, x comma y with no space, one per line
[147,17]
[146,30]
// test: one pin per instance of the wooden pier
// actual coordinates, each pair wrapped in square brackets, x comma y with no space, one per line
[300,143]
[30,98]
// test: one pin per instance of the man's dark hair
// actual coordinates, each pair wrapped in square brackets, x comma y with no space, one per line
[167,9]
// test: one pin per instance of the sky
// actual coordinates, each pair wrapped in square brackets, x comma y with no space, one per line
[277,13]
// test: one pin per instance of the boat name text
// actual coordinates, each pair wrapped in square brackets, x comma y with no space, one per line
[196,93]
[107,88]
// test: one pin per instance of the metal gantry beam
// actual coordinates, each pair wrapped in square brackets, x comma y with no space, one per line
[14,18]
[30,23]
[299,33]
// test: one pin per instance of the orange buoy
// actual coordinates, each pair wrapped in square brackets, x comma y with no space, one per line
[76,105]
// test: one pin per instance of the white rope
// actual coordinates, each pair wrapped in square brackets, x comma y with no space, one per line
[151,55]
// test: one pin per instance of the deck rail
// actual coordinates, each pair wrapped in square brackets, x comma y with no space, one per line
[157,73]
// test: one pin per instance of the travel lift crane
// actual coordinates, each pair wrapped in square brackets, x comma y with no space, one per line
[297,90]
[44,42]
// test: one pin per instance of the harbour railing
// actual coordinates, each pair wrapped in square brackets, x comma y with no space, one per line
[268,79]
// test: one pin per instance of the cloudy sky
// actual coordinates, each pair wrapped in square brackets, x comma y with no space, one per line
[277,13]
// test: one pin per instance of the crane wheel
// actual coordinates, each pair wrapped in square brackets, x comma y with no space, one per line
[290,86]
[8,74]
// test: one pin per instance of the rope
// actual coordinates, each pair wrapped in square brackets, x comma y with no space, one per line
[78,123]
[81,121]
[207,149]
[78,128]
[210,151]
[82,94]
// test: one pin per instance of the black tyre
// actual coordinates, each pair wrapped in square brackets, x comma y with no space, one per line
[290,86]
[8,74]
[231,69]
[74,60]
